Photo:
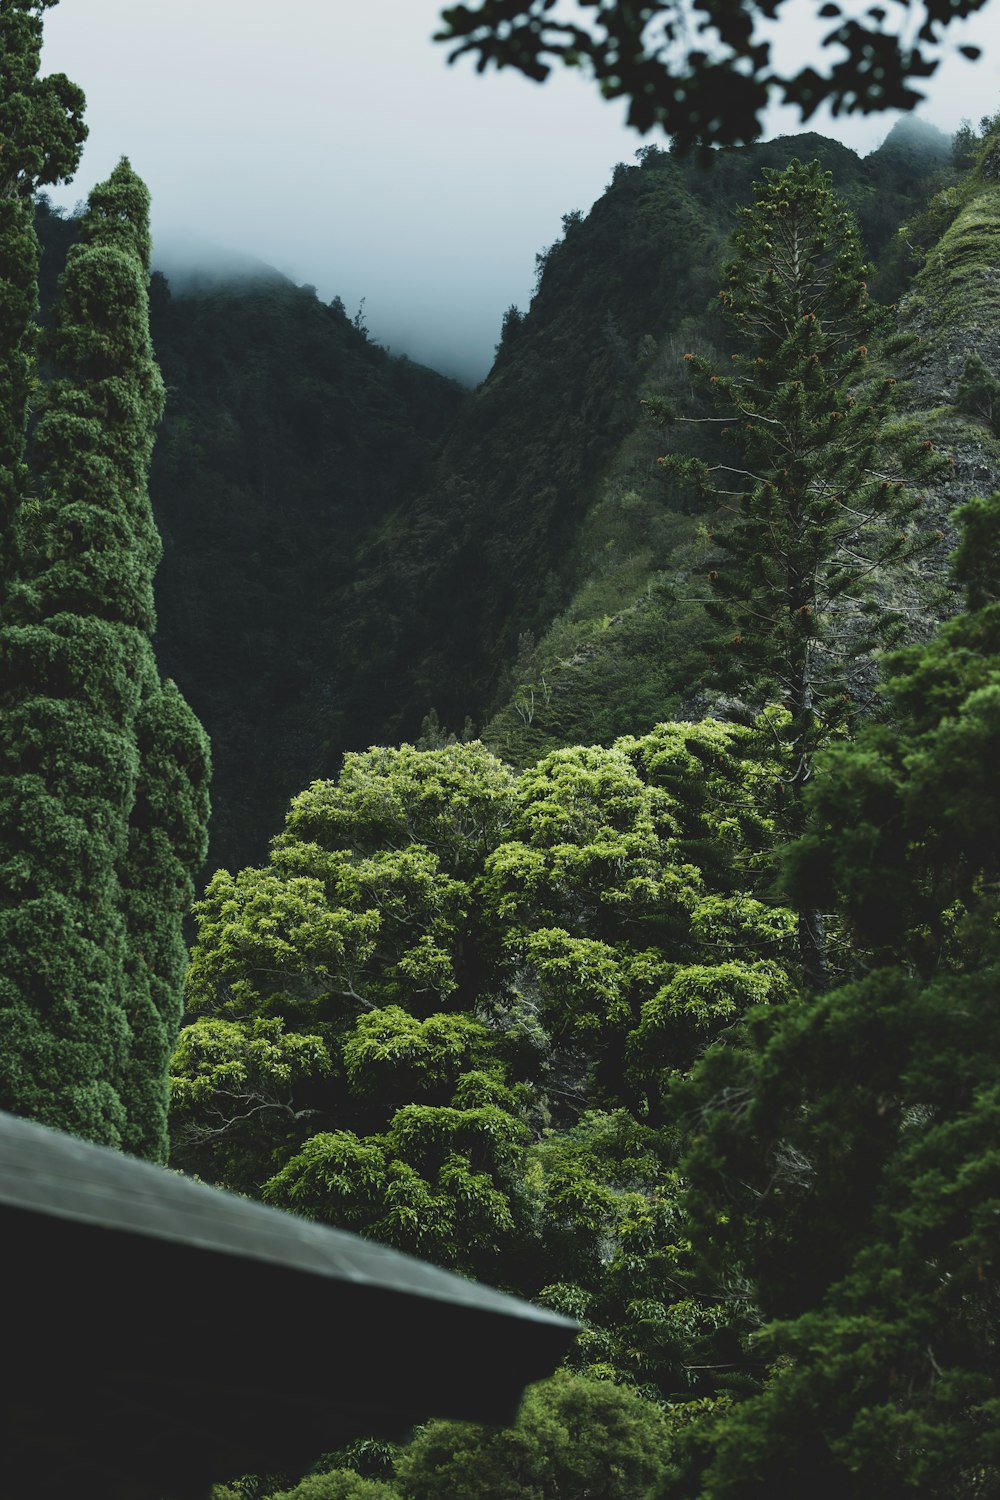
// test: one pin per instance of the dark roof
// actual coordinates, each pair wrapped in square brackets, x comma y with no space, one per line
[161,1334]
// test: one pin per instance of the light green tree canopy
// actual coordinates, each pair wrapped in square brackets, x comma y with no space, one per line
[573,1436]
[448,1010]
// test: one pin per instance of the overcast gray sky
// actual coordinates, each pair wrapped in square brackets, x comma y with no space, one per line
[331,139]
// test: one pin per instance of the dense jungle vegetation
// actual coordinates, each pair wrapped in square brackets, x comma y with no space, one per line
[630,940]
[628,1027]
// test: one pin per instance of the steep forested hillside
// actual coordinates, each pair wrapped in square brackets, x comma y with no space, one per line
[625,648]
[507,534]
[288,435]
[351,541]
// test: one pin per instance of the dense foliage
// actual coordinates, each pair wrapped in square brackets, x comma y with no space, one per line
[552,1023]
[103,768]
[649,1071]
[446,1011]
[554,1026]
[873,1108]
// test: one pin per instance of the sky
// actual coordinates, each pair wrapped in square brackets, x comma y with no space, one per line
[331,139]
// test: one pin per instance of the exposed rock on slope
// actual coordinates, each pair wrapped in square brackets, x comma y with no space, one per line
[954,307]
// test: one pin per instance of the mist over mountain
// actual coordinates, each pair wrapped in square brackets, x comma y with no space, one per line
[363,163]
[456,334]
[193,266]
[459,342]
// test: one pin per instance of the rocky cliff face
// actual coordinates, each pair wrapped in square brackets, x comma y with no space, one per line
[954,308]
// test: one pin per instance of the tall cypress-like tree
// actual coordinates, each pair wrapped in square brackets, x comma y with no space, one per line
[103,768]
[41,135]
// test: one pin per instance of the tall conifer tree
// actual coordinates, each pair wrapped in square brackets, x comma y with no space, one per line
[813,507]
[103,769]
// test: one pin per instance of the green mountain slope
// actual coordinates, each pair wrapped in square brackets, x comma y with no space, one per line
[623,652]
[492,549]
[352,540]
[288,436]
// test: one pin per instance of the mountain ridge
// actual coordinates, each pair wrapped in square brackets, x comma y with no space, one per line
[353,543]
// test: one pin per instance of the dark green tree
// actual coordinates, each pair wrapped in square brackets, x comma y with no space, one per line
[812,510]
[979,391]
[846,1163]
[41,135]
[103,768]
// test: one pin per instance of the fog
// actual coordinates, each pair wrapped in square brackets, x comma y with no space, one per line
[331,139]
